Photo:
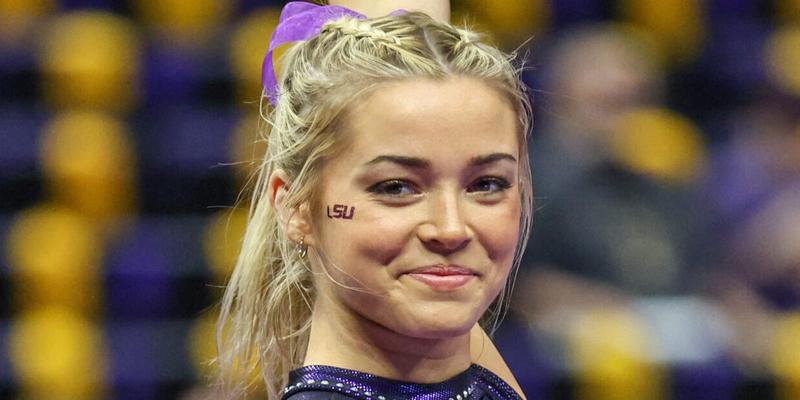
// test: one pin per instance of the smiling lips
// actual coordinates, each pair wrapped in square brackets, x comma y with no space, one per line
[443,278]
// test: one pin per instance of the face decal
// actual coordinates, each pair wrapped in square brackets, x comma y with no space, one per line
[340,211]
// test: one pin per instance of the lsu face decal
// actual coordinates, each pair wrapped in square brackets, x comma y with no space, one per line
[341,211]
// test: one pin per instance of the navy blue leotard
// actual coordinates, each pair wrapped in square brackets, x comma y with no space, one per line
[318,382]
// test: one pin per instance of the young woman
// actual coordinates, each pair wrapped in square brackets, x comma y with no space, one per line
[389,213]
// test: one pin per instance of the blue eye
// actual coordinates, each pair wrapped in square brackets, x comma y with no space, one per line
[393,188]
[489,185]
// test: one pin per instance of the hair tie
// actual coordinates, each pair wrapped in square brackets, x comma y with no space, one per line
[299,21]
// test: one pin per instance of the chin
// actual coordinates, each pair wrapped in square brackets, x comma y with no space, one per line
[437,327]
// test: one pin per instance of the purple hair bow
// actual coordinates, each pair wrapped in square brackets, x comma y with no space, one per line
[299,21]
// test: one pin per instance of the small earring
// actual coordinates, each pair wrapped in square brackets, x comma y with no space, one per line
[302,249]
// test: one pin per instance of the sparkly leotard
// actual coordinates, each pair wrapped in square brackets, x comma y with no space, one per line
[324,382]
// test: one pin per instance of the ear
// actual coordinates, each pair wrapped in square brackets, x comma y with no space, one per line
[295,221]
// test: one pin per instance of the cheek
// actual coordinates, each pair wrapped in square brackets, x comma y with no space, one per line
[389,236]
[375,235]
[499,232]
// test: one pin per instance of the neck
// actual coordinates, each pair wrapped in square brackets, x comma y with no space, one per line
[341,338]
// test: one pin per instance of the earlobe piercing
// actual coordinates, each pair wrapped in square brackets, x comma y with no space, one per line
[302,249]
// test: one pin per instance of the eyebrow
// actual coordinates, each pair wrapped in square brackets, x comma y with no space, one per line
[415,162]
[490,158]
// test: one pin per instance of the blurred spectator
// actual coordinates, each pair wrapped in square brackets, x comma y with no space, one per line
[758,277]
[605,211]
[613,177]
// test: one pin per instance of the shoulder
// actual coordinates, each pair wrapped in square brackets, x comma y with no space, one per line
[490,364]
[492,385]
[317,395]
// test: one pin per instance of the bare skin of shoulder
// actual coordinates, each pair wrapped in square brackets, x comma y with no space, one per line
[484,353]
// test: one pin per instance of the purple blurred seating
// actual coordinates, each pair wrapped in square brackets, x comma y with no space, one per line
[91,4]
[148,360]
[722,61]
[7,377]
[571,12]
[707,381]
[5,280]
[17,73]
[171,76]
[20,129]
[245,6]
[157,271]
[717,9]
[182,154]
[190,139]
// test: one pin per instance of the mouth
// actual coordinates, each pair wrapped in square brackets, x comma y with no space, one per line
[443,278]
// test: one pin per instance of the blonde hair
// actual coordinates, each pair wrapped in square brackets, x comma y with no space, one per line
[266,310]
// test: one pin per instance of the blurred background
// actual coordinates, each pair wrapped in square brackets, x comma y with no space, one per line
[664,261]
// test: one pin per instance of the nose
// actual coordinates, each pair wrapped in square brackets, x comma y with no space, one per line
[445,229]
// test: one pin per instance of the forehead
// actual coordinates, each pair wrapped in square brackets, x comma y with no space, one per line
[426,117]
